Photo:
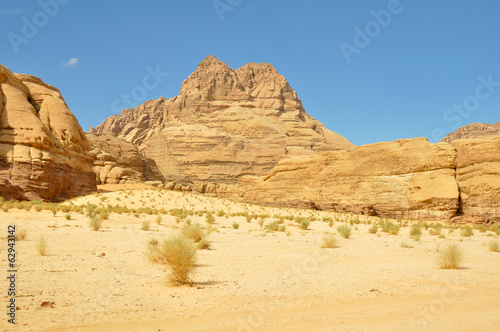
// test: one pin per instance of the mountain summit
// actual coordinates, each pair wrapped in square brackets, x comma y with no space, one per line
[225,123]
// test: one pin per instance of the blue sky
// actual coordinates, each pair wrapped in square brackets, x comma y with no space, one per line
[369,70]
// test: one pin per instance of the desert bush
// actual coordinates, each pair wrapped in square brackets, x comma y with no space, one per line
[194,232]
[204,244]
[494,246]
[304,223]
[67,216]
[434,231]
[220,213]
[95,223]
[41,246]
[451,257]
[482,228]
[329,241]
[416,229]
[441,236]
[145,225]
[373,229]
[405,245]
[158,220]
[467,231]
[179,254]
[273,226]
[103,214]
[496,229]
[282,228]
[21,234]
[236,225]
[260,221]
[344,230]
[209,218]
[389,227]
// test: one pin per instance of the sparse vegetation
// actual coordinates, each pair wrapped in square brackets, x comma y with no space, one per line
[467,231]
[179,254]
[451,257]
[41,246]
[194,232]
[373,229]
[304,223]
[236,225]
[344,230]
[67,216]
[21,234]
[405,245]
[329,241]
[95,223]
[494,246]
[145,225]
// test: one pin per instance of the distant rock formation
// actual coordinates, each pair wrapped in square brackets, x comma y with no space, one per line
[118,162]
[474,130]
[43,150]
[407,178]
[224,124]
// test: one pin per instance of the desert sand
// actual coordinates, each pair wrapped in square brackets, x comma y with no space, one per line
[252,279]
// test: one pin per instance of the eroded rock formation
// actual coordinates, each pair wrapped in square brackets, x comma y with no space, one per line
[118,161]
[43,150]
[408,178]
[474,130]
[224,124]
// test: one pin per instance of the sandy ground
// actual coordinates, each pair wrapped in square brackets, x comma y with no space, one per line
[251,280]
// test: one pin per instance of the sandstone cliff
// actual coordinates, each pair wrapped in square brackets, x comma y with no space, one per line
[408,178]
[43,150]
[474,130]
[118,161]
[224,124]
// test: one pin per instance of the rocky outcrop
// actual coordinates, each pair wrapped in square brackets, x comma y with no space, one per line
[474,130]
[408,178]
[478,176]
[43,150]
[117,161]
[224,124]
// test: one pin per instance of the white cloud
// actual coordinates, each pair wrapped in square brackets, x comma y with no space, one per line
[71,62]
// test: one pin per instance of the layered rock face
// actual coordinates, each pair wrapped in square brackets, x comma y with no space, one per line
[43,150]
[478,175]
[408,178]
[224,124]
[118,162]
[474,130]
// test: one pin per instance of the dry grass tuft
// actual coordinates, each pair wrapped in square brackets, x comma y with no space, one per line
[179,254]
[451,257]
[329,241]
[41,246]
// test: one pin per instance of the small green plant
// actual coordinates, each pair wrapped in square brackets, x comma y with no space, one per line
[451,257]
[41,246]
[405,245]
[344,230]
[21,234]
[467,231]
[434,231]
[179,254]
[158,220]
[373,229]
[209,218]
[494,246]
[145,225]
[67,216]
[193,232]
[304,223]
[204,244]
[329,241]
[95,223]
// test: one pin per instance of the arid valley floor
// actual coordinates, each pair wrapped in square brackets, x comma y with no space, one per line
[252,278]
